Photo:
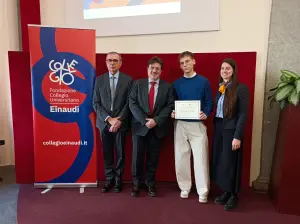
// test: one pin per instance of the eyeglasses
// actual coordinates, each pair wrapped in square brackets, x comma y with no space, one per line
[112,60]
[154,68]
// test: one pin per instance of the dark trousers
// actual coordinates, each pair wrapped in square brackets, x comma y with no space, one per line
[109,142]
[148,146]
[226,165]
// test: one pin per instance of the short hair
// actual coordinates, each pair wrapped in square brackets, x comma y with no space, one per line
[186,54]
[156,59]
[114,52]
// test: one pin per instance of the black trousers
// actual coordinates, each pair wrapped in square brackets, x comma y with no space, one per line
[148,146]
[111,141]
[226,165]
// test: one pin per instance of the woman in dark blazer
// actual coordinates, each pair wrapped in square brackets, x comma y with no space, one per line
[232,101]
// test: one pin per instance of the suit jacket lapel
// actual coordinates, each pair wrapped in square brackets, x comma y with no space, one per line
[218,96]
[107,85]
[159,95]
[145,94]
[119,84]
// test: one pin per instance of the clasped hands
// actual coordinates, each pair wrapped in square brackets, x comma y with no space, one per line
[150,123]
[202,116]
[115,124]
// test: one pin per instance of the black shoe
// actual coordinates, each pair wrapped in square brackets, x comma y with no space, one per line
[118,186]
[152,191]
[231,204]
[135,191]
[221,200]
[107,186]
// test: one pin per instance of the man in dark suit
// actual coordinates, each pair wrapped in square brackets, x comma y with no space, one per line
[151,101]
[110,101]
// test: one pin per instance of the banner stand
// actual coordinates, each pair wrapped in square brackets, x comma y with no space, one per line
[79,185]
[62,62]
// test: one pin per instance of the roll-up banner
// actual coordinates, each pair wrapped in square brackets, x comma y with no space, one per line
[62,62]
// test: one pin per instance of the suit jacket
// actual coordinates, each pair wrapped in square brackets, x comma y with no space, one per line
[102,100]
[139,106]
[240,112]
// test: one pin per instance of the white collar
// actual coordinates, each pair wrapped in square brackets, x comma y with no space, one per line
[150,80]
[189,77]
[116,75]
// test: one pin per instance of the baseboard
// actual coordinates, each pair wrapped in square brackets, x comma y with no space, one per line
[7,166]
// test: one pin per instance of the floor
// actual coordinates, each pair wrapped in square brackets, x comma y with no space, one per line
[68,206]
[26,205]
[8,195]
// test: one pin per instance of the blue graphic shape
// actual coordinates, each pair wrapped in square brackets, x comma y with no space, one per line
[88,2]
[39,71]
[135,2]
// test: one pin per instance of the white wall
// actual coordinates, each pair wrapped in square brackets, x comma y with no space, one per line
[244,27]
[9,41]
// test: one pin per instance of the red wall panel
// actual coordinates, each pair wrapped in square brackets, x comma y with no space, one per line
[20,84]
[29,14]
[207,64]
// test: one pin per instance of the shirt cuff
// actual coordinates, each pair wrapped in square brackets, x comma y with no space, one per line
[106,118]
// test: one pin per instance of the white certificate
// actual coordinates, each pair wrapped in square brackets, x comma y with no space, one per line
[187,109]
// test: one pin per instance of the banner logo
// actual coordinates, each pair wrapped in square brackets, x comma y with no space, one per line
[62,72]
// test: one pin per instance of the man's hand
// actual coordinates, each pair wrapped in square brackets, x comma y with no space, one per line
[150,123]
[202,116]
[113,129]
[173,114]
[236,144]
[114,121]
[115,124]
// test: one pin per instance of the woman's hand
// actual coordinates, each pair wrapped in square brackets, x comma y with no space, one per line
[236,144]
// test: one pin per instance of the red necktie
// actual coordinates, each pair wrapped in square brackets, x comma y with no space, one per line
[151,97]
